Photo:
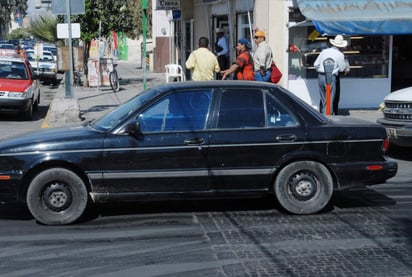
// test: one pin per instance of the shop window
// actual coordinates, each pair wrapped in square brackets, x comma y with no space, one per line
[367,55]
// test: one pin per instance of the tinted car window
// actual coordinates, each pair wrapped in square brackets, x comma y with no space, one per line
[182,111]
[277,114]
[252,109]
[241,109]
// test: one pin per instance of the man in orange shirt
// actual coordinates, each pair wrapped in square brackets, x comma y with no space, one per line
[243,64]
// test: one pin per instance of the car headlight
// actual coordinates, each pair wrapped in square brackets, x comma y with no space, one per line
[21,95]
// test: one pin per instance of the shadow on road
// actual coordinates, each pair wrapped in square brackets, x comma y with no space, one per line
[346,199]
[360,197]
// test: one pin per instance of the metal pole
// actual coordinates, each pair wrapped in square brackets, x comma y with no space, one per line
[69,82]
[144,8]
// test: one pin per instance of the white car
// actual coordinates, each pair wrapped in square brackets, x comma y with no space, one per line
[45,66]
[397,118]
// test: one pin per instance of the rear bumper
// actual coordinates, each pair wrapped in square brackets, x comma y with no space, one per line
[364,174]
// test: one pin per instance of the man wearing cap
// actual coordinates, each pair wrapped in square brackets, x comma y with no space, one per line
[340,65]
[243,66]
[222,50]
[202,62]
[262,57]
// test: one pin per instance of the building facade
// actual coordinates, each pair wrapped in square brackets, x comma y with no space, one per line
[379,62]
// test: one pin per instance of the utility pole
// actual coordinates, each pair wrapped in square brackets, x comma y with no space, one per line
[145,5]
[69,75]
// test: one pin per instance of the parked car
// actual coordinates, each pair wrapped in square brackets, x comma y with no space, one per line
[19,87]
[397,117]
[52,49]
[45,65]
[195,140]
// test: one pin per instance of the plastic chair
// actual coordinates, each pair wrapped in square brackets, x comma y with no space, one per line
[174,71]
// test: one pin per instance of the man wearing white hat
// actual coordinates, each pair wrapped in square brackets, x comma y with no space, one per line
[340,65]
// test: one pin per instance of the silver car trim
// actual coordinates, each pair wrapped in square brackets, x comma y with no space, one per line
[180,173]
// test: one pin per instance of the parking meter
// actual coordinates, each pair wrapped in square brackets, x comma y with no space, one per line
[328,66]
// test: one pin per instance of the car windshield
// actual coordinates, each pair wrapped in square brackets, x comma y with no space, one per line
[51,49]
[47,57]
[13,70]
[123,112]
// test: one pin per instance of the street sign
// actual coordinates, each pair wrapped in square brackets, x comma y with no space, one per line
[167,4]
[76,7]
[63,30]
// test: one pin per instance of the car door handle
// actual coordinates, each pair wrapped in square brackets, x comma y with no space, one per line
[286,138]
[194,141]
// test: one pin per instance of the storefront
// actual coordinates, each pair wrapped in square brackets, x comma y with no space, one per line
[369,26]
[377,51]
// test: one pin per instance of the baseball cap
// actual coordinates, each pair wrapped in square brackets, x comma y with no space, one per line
[244,42]
[260,34]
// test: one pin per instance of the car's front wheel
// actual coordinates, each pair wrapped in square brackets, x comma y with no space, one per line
[57,196]
[304,187]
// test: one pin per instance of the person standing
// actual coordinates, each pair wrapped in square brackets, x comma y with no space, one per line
[262,57]
[340,65]
[243,65]
[222,49]
[202,62]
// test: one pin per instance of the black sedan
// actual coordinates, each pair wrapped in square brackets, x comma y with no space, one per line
[195,140]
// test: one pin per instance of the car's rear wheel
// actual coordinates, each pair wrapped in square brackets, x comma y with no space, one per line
[304,187]
[57,196]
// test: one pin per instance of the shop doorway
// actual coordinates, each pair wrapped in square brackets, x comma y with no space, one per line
[401,62]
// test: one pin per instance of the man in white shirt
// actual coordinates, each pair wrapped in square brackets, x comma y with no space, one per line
[262,57]
[340,65]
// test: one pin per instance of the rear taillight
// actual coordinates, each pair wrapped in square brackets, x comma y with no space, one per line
[385,145]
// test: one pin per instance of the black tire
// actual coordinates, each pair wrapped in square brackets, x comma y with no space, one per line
[57,196]
[28,115]
[114,81]
[304,187]
[36,104]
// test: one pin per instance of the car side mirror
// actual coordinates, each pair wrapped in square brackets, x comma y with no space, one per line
[133,128]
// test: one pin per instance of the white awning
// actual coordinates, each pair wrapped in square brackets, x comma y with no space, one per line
[380,17]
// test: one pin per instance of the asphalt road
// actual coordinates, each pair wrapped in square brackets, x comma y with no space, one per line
[364,232]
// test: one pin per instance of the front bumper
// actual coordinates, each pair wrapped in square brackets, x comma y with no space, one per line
[14,105]
[399,132]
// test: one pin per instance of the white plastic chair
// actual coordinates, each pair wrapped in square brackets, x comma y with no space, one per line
[174,71]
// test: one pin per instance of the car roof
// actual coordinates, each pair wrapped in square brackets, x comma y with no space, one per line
[11,58]
[219,84]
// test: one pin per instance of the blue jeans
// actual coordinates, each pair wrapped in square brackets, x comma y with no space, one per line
[262,78]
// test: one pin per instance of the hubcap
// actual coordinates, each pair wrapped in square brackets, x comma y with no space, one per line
[57,196]
[303,185]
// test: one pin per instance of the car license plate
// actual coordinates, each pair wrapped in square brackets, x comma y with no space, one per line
[391,133]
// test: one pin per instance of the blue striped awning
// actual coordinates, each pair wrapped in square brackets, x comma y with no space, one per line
[359,17]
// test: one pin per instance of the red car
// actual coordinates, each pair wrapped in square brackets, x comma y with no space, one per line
[19,87]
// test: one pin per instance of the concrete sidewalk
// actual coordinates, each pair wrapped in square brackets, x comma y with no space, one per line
[91,103]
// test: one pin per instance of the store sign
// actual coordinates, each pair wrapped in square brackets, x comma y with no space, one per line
[205,2]
[167,4]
